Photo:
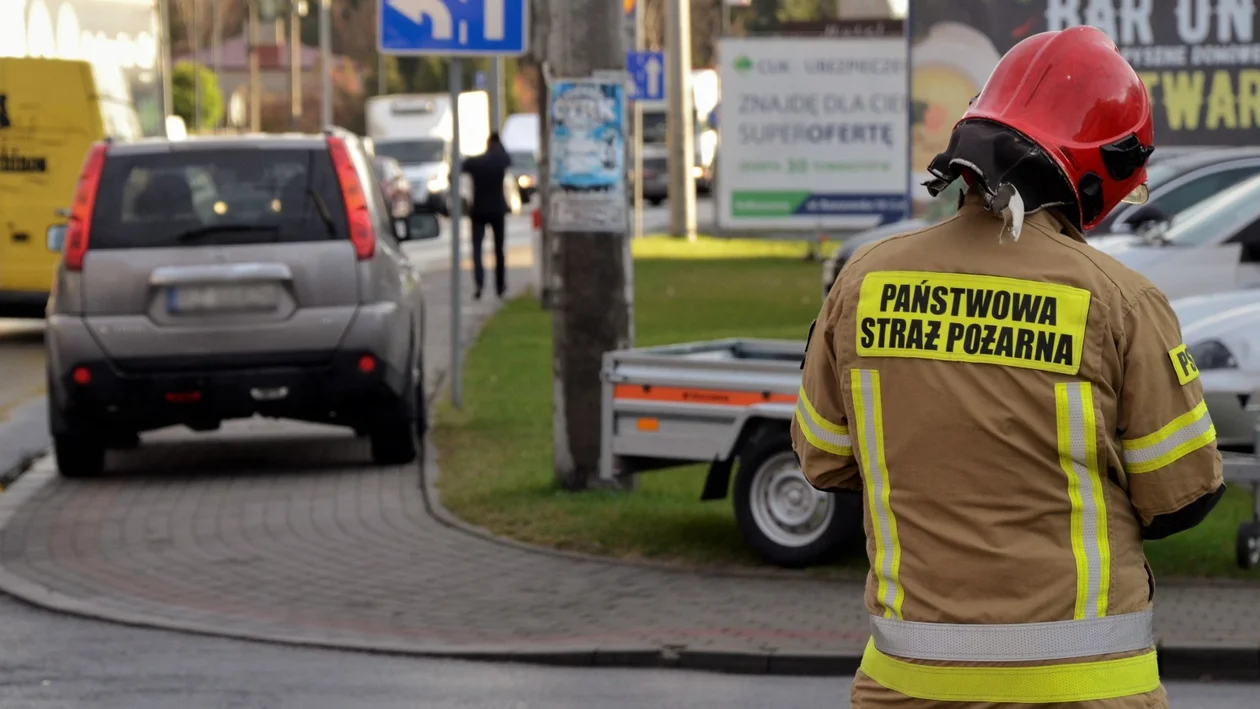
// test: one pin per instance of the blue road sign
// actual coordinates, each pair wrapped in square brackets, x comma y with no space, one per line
[647,70]
[453,27]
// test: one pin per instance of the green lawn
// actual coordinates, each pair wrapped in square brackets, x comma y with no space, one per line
[495,455]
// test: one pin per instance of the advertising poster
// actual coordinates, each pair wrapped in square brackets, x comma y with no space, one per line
[1200,61]
[588,156]
[814,133]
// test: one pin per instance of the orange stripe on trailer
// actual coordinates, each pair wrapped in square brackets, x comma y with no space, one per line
[718,397]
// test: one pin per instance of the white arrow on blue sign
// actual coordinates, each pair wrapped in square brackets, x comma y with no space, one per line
[453,27]
[647,73]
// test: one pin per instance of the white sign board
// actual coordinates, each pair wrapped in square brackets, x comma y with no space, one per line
[588,156]
[814,133]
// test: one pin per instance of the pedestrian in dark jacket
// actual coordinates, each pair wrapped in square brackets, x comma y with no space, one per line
[489,208]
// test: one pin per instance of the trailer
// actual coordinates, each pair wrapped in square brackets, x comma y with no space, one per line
[729,403]
[1245,470]
[724,402]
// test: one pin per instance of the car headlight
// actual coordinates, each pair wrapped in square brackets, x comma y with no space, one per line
[1213,354]
[525,181]
[437,183]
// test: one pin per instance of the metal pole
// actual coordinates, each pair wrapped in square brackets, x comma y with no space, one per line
[456,199]
[640,43]
[497,104]
[680,122]
[164,13]
[215,41]
[726,18]
[255,78]
[325,60]
[196,50]
[295,65]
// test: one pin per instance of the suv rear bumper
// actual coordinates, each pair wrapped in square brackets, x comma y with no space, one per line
[319,388]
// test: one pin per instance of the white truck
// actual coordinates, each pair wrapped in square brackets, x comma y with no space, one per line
[417,130]
[730,403]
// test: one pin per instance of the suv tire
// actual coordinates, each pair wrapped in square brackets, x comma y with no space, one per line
[393,442]
[79,456]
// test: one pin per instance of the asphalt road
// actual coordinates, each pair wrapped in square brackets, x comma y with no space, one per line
[54,662]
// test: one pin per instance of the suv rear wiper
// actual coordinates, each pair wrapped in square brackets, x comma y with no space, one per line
[224,229]
[324,214]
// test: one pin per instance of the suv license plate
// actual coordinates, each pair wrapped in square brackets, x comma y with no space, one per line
[223,299]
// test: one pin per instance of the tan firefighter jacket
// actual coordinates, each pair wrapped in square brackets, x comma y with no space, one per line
[1013,411]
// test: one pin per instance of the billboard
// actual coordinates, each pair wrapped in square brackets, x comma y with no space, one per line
[814,133]
[588,156]
[1200,61]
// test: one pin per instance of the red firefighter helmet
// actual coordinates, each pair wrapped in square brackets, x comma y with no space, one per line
[1075,96]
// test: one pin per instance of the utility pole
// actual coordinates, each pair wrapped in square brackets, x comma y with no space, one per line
[325,61]
[164,11]
[196,52]
[216,38]
[497,104]
[297,9]
[680,120]
[255,73]
[591,313]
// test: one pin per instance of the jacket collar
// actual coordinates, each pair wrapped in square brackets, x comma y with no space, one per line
[1047,220]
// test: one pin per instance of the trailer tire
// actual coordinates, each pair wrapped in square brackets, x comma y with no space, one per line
[1248,545]
[787,521]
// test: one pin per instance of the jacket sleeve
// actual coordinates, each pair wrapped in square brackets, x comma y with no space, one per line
[820,433]
[1167,440]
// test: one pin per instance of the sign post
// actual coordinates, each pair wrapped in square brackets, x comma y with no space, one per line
[454,29]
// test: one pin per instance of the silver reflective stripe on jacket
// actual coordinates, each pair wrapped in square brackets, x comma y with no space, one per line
[1014,642]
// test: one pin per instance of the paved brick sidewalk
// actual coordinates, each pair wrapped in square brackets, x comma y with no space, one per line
[281,532]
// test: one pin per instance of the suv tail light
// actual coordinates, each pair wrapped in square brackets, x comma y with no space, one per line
[357,215]
[79,228]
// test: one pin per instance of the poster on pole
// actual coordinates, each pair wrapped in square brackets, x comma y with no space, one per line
[588,155]
[814,133]
[1198,60]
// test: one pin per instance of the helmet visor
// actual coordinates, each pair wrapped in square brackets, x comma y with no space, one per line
[1139,195]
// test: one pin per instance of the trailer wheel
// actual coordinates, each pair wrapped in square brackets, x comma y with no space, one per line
[1248,545]
[782,516]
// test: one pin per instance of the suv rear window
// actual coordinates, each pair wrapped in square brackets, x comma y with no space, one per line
[207,197]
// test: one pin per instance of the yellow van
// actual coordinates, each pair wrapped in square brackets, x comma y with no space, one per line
[51,111]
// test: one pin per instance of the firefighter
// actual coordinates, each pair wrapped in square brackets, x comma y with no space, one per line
[1018,408]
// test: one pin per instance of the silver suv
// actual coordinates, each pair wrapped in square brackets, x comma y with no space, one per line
[216,278]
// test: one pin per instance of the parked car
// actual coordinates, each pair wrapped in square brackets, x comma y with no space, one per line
[1178,179]
[655,180]
[287,295]
[395,185]
[1212,247]
[525,173]
[1222,333]
[1177,182]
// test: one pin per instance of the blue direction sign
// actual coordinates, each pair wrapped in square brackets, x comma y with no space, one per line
[453,27]
[647,71]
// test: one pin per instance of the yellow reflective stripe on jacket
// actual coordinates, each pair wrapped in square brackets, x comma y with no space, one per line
[1078,456]
[1184,435]
[1074,682]
[869,424]
[821,433]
